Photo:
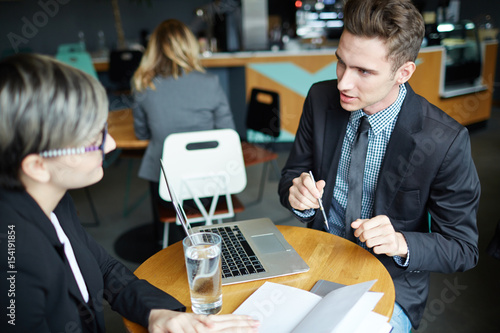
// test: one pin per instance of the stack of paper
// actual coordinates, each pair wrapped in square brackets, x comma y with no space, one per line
[285,309]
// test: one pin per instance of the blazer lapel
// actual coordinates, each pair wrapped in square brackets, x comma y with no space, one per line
[27,207]
[29,210]
[84,260]
[88,267]
[396,165]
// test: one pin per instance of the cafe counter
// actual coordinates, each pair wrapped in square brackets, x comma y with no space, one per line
[291,74]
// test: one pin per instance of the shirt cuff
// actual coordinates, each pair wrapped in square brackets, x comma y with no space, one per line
[403,262]
[304,213]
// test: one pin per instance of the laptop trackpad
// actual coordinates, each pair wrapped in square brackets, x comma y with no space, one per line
[267,243]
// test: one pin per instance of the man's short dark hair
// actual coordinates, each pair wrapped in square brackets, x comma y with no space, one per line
[397,22]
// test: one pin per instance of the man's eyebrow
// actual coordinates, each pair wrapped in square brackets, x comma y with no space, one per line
[366,69]
[357,67]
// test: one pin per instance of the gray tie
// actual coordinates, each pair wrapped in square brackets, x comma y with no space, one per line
[355,177]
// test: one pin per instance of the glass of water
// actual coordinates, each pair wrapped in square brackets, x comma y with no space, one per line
[202,252]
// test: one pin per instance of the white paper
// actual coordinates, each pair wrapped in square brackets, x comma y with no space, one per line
[285,309]
[360,310]
[279,308]
[334,308]
[374,323]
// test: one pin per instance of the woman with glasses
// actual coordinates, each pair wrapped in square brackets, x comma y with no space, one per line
[53,137]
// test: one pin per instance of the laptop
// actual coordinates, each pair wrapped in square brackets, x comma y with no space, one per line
[251,249]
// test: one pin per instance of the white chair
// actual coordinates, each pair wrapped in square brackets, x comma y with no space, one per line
[199,165]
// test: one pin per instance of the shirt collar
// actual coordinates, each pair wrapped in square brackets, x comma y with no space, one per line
[381,119]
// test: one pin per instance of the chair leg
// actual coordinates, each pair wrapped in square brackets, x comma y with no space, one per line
[262,183]
[128,186]
[165,234]
[128,180]
[276,169]
[264,176]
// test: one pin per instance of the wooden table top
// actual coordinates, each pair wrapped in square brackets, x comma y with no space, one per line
[121,128]
[329,257]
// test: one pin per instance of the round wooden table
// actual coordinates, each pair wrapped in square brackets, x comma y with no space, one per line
[329,257]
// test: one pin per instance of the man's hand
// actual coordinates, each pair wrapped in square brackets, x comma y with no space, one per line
[379,234]
[304,194]
[167,321]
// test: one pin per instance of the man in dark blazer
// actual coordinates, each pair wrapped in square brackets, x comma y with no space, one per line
[420,185]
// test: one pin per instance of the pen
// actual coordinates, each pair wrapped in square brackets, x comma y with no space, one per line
[320,203]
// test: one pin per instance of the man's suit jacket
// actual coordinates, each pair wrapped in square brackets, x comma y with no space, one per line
[192,102]
[427,169]
[43,288]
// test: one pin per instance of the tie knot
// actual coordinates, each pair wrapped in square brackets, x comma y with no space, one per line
[364,125]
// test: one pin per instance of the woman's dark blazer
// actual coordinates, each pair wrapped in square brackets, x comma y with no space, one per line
[42,287]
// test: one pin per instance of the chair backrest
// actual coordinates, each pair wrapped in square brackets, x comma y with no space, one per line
[203,164]
[122,65]
[68,48]
[80,60]
[263,112]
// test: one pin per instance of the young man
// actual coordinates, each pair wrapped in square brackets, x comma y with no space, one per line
[417,166]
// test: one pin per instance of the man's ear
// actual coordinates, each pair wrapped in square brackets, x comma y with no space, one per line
[34,167]
[405,72]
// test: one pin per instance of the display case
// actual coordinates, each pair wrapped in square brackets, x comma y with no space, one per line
[463,59]
[319,18]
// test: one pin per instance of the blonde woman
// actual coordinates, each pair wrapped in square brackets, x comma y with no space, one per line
[173,93]
[53,138]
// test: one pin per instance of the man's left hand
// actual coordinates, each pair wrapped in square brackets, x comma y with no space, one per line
[379,234]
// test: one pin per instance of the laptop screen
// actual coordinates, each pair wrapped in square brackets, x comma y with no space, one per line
[179,210]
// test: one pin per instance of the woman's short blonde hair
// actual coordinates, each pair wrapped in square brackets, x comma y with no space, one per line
[172,50]
[44,105]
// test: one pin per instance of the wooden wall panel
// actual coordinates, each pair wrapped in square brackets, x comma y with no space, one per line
[425,79]
[309,62]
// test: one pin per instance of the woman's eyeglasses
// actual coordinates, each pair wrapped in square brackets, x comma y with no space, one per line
[80,150]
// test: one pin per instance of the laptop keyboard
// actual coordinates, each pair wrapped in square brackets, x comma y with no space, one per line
[238,257]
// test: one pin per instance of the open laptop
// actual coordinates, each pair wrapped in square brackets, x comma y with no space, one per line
[251,250]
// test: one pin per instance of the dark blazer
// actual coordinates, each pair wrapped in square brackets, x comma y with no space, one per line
[45,294]
[427,168]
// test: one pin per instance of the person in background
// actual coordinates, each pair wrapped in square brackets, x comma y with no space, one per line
[172,94]
[53,138]
[418,186]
